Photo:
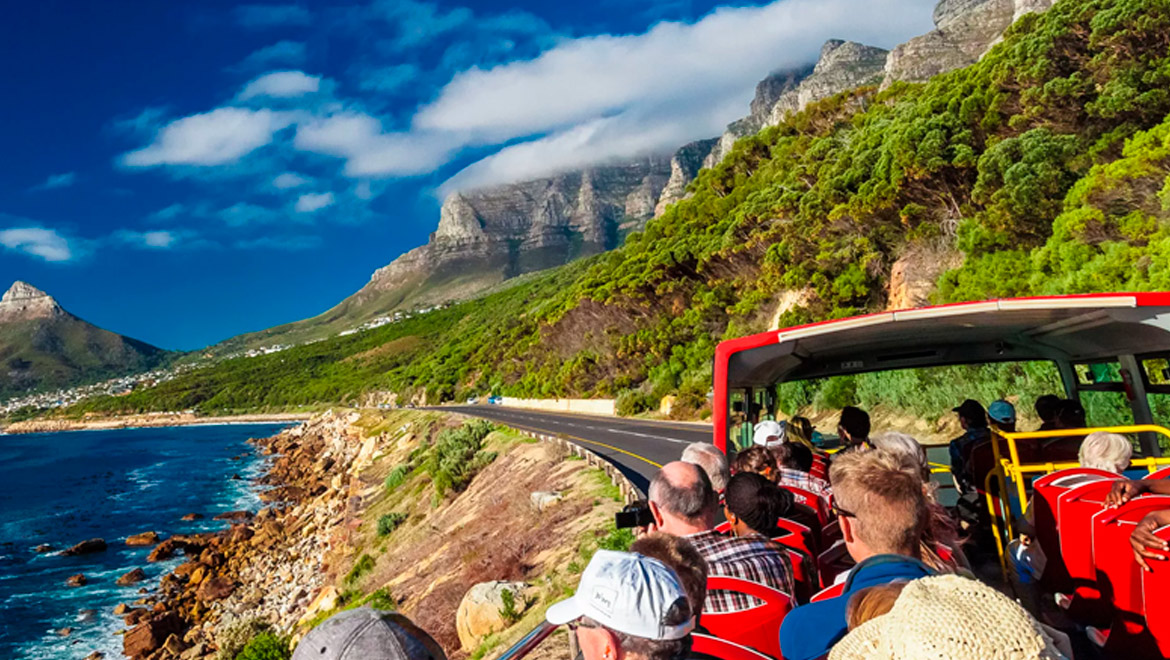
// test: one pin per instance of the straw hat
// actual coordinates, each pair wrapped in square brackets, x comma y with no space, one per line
[949,617]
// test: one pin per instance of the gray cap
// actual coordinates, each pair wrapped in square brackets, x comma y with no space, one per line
[368,634]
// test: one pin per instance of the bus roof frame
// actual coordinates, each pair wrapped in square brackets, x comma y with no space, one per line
[1062,329]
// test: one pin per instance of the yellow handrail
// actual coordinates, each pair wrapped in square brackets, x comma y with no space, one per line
[1011,468]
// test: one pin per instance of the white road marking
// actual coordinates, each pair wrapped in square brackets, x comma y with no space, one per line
[647,435]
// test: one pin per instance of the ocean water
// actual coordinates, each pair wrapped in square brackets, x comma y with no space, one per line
[63,488]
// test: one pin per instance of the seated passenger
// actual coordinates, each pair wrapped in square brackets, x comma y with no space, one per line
[1003,415]
[795,461]
[941,545]
[753,507]
[713,462]
[881,512]
[1070,414]
[757,460]
[853,428]
[1046,407]
[973,419]
[872,602]
[769,433]
[949,617]
[801,430]
[1142,540]
[680,556]
[683,504]
[368,634]
[627,607]
[1106,451]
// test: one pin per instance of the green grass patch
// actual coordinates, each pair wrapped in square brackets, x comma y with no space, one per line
[390,522]
[360,569]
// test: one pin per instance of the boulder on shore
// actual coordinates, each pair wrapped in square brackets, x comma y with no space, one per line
[131,577]
[78,580]
[145,538]
[215,589]
[149,636]
[85,548]
[43,548]
[192,516]
[481,611]
[235,516]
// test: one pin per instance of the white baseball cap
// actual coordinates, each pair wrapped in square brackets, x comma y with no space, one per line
[769,429]
[626,592]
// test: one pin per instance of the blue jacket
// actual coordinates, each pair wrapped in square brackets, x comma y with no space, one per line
[809,631]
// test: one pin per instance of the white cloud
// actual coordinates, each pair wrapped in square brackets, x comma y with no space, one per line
[289,180]
[57,181]
[389,79]
[312,202]
[39,242]
[266,16]
[168,213]
[243,213]
[369,151]
[281,53]
[151,240]
[281,84]
[218,137]
[724,54]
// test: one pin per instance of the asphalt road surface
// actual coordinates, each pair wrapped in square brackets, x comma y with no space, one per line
[637,447]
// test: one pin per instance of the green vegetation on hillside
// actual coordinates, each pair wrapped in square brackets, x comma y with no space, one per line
[1045,165]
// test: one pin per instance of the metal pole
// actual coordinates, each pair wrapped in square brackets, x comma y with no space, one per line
[1140,403]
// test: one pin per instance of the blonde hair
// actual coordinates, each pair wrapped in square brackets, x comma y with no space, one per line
[1106,451]
[886,500]
[872,602]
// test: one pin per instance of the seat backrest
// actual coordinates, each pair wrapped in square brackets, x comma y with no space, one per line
[830,533]
[757,627]
[1164,473]
[804,569]
[833,562]
[1155,586]
[799,536]
[706,646]
[811,500]
[1046,489]
[831,591]
[1075,509]
[1118,575]
[820,466]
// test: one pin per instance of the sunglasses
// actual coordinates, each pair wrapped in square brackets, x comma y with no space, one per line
[574,625]
[842,513]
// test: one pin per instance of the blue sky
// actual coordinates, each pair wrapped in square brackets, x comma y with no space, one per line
[182,172]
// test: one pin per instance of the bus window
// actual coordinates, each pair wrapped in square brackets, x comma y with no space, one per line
[1106,408]
[1158,386]
[1098,373]
[739,428]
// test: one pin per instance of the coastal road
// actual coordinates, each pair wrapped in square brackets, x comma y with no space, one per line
[637,447]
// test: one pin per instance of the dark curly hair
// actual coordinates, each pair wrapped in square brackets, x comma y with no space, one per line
[758,502]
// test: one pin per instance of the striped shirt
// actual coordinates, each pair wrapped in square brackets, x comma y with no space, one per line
[804,480]
[752,558]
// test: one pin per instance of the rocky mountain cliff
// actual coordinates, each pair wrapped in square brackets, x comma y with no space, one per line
[487,236]
[42,346]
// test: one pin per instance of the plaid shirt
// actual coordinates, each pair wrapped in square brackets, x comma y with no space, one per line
[752,558]
[787,477]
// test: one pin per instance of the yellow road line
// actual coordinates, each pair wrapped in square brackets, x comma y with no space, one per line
[573,437]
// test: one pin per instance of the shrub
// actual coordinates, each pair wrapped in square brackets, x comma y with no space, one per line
[364,565]
[381,599]
[508,612]
[397,476]
[457,457]
[390,522]
[235,637]
[633,402]
[266,646]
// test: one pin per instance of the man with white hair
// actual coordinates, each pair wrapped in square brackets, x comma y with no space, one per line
[1106,451]
[713,462]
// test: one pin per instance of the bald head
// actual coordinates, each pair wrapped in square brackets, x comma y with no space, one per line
[683,490]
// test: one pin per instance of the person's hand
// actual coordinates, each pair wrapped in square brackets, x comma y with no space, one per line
[1145,543]
[1123,491]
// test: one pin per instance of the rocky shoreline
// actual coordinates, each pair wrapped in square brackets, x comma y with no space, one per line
[149,420]
[270,565]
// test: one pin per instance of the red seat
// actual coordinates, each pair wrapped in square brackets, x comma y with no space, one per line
[831,591]
[1046,490]
[820,466]
[833,562]
[757,627]
[721,649]
[1164,473]
[804,571]
[1155,586]
[811,500]
[1075,509]
[830,533]
[1119,577]
[799,537]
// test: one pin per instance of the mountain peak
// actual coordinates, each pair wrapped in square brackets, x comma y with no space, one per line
[23,302]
